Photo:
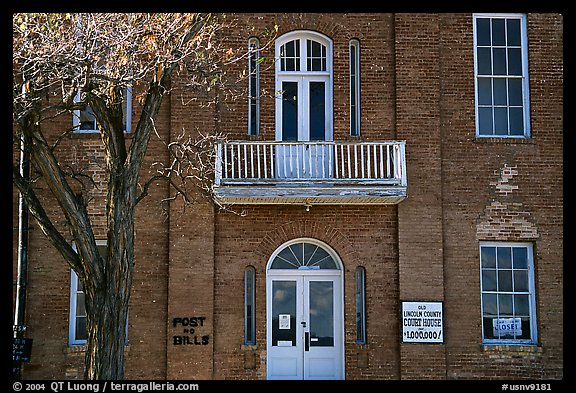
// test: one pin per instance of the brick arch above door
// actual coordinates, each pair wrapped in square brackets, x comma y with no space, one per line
[310,229]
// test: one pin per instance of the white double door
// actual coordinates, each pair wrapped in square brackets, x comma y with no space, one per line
[305,332]
[304,114]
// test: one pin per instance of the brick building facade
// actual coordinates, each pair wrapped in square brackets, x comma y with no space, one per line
[458,205]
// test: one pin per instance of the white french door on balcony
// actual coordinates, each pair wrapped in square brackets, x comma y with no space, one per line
[303,106]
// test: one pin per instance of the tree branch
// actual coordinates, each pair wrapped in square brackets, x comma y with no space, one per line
[36,209]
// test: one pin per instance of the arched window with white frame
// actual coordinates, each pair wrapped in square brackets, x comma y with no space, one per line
[304,105]
[304,82]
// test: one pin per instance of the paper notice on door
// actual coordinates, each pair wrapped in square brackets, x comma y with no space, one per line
[284,321]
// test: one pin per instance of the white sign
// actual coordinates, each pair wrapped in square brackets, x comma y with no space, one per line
[422,322]
[284,321]
[507,327]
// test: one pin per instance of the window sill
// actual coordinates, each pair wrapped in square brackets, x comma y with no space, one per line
[523,348]
[77,349]
[505,140]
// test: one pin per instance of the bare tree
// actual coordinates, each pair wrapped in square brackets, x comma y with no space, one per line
[67,62]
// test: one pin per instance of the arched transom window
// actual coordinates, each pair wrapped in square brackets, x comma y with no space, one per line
[303,255]
[304,54]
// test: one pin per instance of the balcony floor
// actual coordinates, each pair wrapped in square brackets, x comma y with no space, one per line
[310,193]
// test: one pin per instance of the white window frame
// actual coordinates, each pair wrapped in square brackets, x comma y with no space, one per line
[72,340]
[531,296]
[360,282]
[355,88]
[128,115]
[254,78]
[525,77]
[250,299]
[303,76]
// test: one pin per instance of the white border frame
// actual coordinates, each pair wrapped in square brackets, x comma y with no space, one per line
[531,285]
[525,75]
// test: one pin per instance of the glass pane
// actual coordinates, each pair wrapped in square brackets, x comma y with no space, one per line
[80,305]
[505,305]
[488,330]
[289,49]
[515,91]
[249,293]
[289,111]
[321,304]
[353,59]
[514,61]
[513,32]
[521,305]
[485,121]
[516,121]
[302,255]
[317,111]
[253,125]
[505,280]
[483,31]
[286,260]
[489,280]
[360,317]
[81,330]
[317,65]
[500,92]
[125,109]
[489,305]
[484,61]
[316,56]
[284,307]
[280,263]
[520,257]
[87,119]
[526,329]
[488,257]
[290,56]
[484,91]
[253,108]
[499,61]
[498,32]
[501,121]
[521,281]
[504,258]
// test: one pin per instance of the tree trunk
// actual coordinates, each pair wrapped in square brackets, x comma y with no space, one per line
[106,337]
[107,303]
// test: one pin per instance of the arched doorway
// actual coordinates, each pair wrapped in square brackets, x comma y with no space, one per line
[304,312]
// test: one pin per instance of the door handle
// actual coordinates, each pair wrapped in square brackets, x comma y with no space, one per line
[306,341]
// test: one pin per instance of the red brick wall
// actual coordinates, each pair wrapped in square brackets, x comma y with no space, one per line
[505,190]
[417,75]
[362,236]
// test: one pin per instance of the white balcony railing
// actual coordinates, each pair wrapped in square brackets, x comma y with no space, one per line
[334,161]
[302,167]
